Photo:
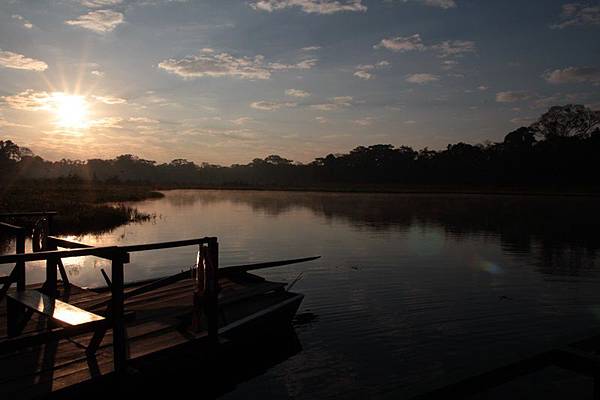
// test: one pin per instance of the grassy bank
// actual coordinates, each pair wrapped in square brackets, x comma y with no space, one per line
[82,207]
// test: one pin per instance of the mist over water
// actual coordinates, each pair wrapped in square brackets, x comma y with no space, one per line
[412,291]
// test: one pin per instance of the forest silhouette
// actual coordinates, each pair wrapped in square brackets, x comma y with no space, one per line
[560,148]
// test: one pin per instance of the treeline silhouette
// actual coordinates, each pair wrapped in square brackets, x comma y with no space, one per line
[561,147]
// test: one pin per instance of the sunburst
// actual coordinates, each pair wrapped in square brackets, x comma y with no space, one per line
[71,111]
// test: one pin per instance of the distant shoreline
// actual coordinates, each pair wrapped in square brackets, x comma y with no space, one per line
[403,189]
[96,207]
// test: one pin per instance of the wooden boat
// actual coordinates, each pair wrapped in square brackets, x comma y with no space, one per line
[58,338]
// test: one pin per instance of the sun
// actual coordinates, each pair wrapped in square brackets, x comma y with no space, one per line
[71,111]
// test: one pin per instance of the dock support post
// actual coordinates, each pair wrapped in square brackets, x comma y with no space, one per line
[20,266]
[116,313]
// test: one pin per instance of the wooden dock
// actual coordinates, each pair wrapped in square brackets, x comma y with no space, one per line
[56,337]
[157,318]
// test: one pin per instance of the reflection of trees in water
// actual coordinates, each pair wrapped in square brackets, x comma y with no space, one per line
[560,231]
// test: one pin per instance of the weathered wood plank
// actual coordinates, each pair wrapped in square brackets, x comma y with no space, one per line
[60,311]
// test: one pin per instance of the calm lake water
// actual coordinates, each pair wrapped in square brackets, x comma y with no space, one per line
[412,291]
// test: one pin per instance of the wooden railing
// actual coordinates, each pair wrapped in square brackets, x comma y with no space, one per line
[18,273]
[118,256]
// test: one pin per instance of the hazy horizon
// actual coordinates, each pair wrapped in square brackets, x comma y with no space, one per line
[225,82]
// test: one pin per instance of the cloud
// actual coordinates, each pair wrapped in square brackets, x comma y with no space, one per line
[211,64]
[110,100]
[335,104]
[106,122]
[305,64]
[366,121]
[100,3]
[8,59]
[482,87]
[29,100]
[321,120]
[512,96]
[402,43]
[241,120]
[297,93]
[523,121]
[271,105]
[143,120]
[310,6]
[578,14]
[445,4]
[448,48]
[99,21]
[98,73]
[362,71]
[363,75]
[451,48]
[422,78]
[25,22]
[7,124]
[449,64]
[574,75]
[310,48]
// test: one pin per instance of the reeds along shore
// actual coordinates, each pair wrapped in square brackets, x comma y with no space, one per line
[82,207]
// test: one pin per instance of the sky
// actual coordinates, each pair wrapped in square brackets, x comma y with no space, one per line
[227,81]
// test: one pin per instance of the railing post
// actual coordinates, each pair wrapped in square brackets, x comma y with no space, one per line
[51,265]
[211,288]
[49,223]
[20,265]
[116,314]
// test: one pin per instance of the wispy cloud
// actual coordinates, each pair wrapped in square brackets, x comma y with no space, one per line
[29,100]
[241,120]
[99,21]
[512,96]
[522,121]
[4,123]
[422,78]
[211,64]
[297,93]
[402,44]
[24,21]
[106,122]
[365,121]
[445,4]
[110,100]
[448,48]
[335,103]
[578,14]
[311,6]
[271,105]
[574,75]
[100,3]
[451,48]
[143,120]
[8,59]
[365,71]
[311,48]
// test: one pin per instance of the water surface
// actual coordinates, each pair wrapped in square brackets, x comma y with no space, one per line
[411,290]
